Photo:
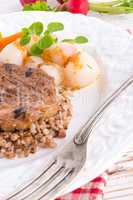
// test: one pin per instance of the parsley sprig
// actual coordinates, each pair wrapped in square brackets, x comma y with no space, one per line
[46,36]
[35,29]
[78,40]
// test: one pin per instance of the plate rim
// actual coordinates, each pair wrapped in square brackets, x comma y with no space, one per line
[38,12]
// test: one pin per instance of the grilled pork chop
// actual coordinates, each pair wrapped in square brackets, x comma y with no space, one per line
[26,95]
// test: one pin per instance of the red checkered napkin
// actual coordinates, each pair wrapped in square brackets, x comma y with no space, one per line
[94,190]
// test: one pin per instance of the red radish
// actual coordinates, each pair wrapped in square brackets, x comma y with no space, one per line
[76,6]
[23,2]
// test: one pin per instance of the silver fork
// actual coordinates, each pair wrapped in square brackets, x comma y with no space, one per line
[68,163]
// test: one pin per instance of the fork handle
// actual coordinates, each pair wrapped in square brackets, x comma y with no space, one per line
[86,130]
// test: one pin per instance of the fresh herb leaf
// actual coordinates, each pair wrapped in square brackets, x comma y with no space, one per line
[25,39]
[26,36]
[78,40]
[25,31]
[46,38]
[55,26]
[46,42]
[69,40]
[46,32]
[27,7]
[38,5]
[35,50]
[36,28]
[81,39]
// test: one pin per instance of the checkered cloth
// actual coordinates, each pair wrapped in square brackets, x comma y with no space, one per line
[94,190]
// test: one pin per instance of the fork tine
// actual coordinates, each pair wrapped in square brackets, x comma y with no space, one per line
[58,185]
[45,182]
[36,181]
[44,191]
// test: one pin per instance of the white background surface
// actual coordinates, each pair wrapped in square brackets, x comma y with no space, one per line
[122,21]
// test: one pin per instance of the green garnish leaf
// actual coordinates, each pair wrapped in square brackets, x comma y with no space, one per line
[25,31]
[55,26]
[81,39]
[69,40]
[46,42]
[27,7]
[46,32]
[78,40]
[25,39]
[38,5]
[35,50]
[47,38]
[36,28]
[26,36]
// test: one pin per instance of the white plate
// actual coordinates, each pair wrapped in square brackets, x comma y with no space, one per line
[115,47]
